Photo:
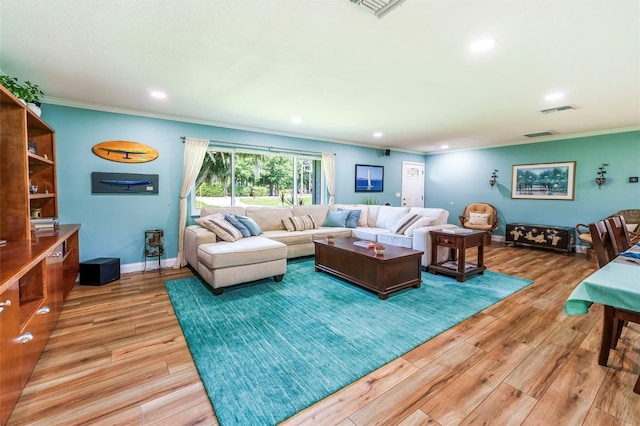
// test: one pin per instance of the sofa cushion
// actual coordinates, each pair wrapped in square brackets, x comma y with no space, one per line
[298,223]
[290,238]
[388,216]
[441,215]
[242,252]
[404,223]
[367,233]
[372,215]
[251,224]
[337,218]
[269,218]
[420,223]
[209,210]
[223,229]
[353,218]
[317,211]
[336,232]
[362,220]
[395,240]
[238,225]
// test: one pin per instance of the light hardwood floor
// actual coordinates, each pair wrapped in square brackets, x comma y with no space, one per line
[118,357]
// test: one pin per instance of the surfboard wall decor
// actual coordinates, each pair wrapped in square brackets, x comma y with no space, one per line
[125,151]
[124,183]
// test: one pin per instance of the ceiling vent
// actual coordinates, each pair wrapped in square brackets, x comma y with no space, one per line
[540,134]
[558,109]
[377,7]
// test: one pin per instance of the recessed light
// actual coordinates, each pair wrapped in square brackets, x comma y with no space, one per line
[377,135]
[444,146]
[554,96]
[296,120]
[158,94]
[482,45]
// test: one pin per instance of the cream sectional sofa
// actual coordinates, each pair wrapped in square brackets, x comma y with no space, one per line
[225,263]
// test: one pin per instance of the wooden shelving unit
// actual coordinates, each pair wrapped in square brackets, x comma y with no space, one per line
[37,271]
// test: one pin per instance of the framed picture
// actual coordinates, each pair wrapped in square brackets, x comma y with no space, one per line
[369,178]
[545,181]
[123,183]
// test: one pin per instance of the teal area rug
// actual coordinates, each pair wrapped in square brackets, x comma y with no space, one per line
[267,350]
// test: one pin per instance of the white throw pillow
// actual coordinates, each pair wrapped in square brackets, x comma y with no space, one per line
[388,216]
[420,223]
[479,218]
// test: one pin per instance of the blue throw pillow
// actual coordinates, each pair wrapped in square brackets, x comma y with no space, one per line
[336,218]
[251,224]
[352,220]
[238,225]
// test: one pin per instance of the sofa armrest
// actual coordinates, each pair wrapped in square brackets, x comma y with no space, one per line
[422,242]
[194,236]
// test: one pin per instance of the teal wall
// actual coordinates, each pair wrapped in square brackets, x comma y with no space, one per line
[114,225]
[457,179]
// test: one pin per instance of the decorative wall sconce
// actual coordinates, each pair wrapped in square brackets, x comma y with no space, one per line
[494,178]
[600,180]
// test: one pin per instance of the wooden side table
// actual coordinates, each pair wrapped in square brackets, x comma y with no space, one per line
[457,242]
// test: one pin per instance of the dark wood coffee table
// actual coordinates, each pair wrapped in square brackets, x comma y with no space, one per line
[396,269]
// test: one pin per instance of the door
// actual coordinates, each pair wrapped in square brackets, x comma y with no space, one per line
[412,184]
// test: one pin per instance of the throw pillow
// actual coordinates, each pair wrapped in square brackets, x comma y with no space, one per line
[353,218]
[336,218]
[405,222]
[238,225]
[251,224]
[288,224]
[223,229]
[479,218]
[299,223]
[420,223]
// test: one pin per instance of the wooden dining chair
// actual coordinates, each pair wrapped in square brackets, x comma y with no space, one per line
[601,242]
[614,319]
[619,234]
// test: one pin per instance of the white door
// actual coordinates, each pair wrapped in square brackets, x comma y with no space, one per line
[412,184]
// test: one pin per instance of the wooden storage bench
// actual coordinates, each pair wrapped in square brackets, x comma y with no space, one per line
[545,236]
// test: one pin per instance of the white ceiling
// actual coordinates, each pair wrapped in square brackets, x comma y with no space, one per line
[256,63]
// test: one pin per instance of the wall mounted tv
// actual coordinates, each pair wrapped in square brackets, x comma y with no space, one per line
[369,178]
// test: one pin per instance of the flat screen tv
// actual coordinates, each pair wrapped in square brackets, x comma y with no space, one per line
[369,178]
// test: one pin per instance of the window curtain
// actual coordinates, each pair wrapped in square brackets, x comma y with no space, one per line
[194,152]
[329,166]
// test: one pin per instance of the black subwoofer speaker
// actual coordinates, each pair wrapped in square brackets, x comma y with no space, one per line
[99,271]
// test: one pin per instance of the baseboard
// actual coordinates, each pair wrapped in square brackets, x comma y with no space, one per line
[151,265]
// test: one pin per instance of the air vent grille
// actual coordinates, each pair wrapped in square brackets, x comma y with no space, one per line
[377,7]
[558,109]
[540,134]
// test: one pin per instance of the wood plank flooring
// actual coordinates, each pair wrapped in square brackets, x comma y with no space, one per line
[118,357]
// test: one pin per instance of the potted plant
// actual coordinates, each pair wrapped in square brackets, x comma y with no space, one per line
[28,92]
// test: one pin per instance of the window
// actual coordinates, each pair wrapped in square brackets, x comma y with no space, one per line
[233,177]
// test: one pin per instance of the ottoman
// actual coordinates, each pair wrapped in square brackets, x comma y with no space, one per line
[224,264]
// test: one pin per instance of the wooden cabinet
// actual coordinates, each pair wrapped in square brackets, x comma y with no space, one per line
[27,162]
[10,350]
[37,269]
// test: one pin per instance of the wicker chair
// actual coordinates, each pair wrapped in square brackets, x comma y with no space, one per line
[481,217]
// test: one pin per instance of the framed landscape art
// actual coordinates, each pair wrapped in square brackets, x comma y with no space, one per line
[369,178]
[544,181]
